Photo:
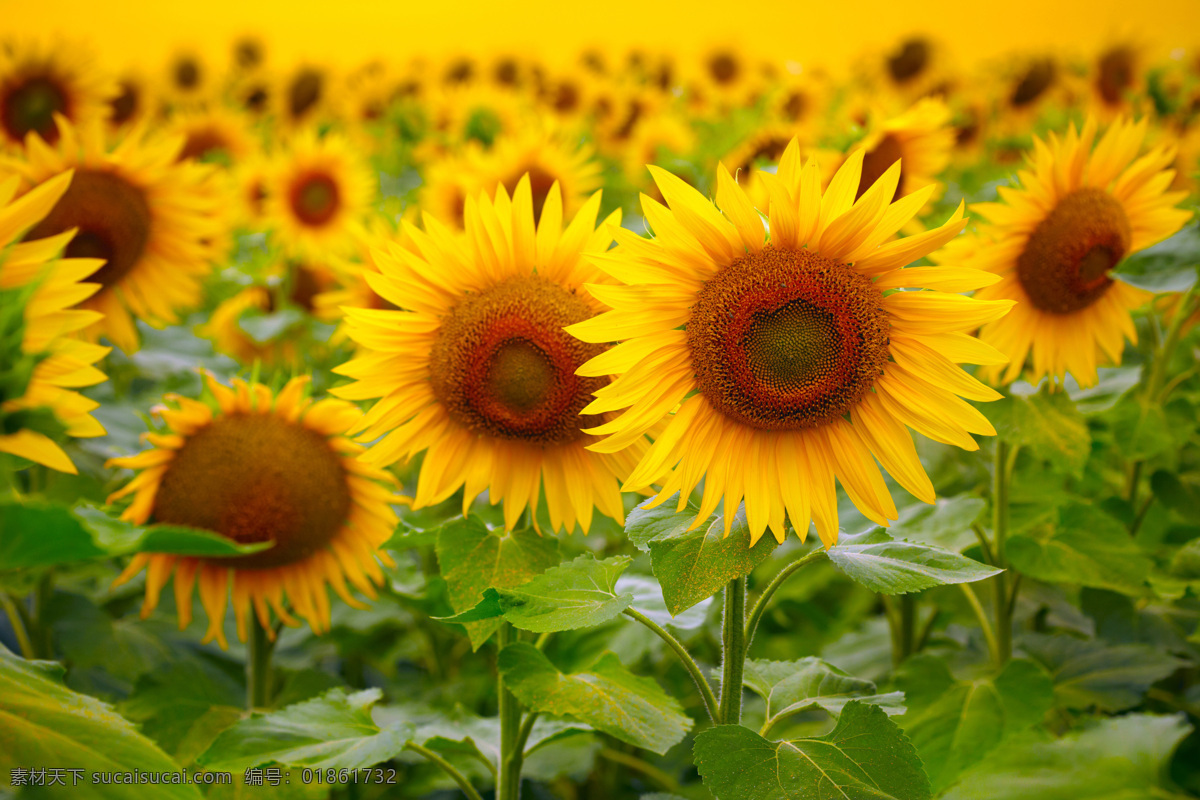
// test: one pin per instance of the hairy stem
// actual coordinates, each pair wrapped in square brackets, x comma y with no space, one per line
[733,652]
[259,650]
[508,787]
[760,606]
[448,768]
[689,663]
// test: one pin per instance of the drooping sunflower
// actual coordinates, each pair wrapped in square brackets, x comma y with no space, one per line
[153,221]
[782,364]
[1053,240]
[480,374]
[318,195]
[261,467]
[44,362]
[39,80]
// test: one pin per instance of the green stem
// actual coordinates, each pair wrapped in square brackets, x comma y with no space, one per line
[448,768]
[508,786]
[689,663]
[908,625]
[988,634]
[43,634]
[1000,483]
[259,650]
[733,652]
[760,606]
[18,626]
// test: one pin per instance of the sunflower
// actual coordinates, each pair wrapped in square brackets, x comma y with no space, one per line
[350,287]
[1116,78]
[547,156]
[479,374]
[188,81]
[762,148]
[1053,241]
[153,220]
[921,140]
[666,135]
[261,467]
[303,96]
[1026,87]
[213,133]
[44,362]
[916,66]
[38,81]
[723,80]
[320,190]
[134,101]
[449,180]
[782,364]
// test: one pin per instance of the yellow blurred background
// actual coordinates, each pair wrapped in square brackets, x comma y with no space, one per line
[828,34]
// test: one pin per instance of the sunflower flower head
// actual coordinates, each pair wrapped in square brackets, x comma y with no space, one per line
[479,373]
[1082,206]
[781,364]
[44,362]
[258,466]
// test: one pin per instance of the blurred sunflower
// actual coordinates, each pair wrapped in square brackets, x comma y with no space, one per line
[41,80]
[762,148]
[44,363]
[153,221]
[921,140]
[916,66]
[134,101]
[213,133]
[261,467]
[480,375]
[1053,241]
[1116,76]
[189,81]
[223,329]
[320,190]
[1025,88]
[781,365]
[449,180]
[547,157]
[303,96]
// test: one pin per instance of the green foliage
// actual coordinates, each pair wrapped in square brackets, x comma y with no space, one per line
[1095,674]
[956,723]
[1113,759]
[474,559]
[607,697]
[865,757]
[335,730]
[693,565]
[40,535]
[1048,424]
[1084,546]
[45,724]
[789,687]
[884,565]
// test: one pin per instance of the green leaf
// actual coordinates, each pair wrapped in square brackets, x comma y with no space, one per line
[45,724]
[955,723]
[1093,673]
[1123,758]
[865,757]
[1182,497]
[881,564]
[789,687]
[1083,547]
[648,599]
[335,730]
[473,559]
[1169,266]
[692,566]
[41,535]
[1048,424]
[578,594]
[170,702]
[946,523]
[1140,429]
[608,697]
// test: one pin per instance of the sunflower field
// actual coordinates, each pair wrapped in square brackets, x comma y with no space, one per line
[636,425]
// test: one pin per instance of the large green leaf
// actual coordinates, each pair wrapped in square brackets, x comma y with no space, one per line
[1140,429]
[1084,547]
[608,697]
[789,687]
[473,559]
[1091,673]
[335,730]
[578,594]
[694,565]
[1048,424]
[955,723]
[1124,758]
[865,757]
[1180,495]
[40,535]
[884,565]
[946,523]
[169,703]
[43,724]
